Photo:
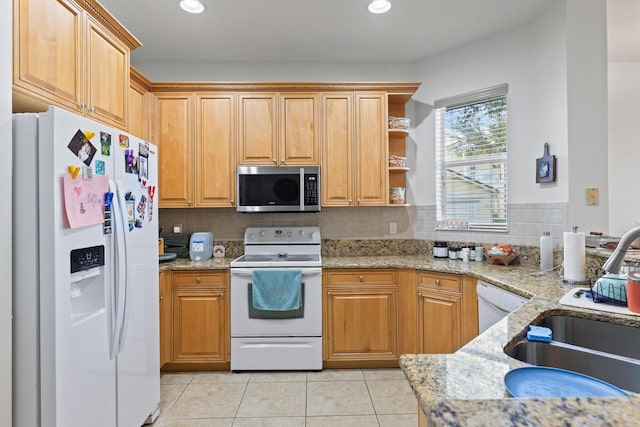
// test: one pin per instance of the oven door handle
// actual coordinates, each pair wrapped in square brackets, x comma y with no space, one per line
[306,271]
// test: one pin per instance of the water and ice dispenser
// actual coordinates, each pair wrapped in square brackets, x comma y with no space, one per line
[88,282]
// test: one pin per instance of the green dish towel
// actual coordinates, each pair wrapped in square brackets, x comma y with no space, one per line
[277,290]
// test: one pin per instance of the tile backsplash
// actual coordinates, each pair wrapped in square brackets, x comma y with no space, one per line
[526,223]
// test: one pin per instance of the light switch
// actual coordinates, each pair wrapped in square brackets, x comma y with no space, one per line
[593,196]
[393,228]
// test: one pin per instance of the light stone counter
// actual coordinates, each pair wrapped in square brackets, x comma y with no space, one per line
[467,388]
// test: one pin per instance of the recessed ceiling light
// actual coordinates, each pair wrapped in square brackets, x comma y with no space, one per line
[192,6]
[379,6]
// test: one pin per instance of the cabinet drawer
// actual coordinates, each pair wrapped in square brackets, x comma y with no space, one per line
[362,277]
[441,281]
[198,279]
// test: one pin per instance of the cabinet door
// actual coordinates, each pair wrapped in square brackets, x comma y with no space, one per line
[199,322]
[257,129]
[48,50]
[299,129]
[107,76]
[215,160]
[138,121]
[371,157]
[361,322]
[165,317]
[173,134]
[337,149]
[439,320]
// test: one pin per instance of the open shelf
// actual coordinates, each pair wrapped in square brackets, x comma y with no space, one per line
[398,132]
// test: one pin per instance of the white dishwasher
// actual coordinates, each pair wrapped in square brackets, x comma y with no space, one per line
[494,303]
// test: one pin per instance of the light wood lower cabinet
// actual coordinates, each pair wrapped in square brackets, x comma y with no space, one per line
[445,314]
[165,317]
[360,318]
[200,335]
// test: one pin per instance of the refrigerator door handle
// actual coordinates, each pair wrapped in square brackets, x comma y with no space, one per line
[122,274]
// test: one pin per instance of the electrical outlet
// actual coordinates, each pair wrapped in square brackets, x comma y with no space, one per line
[393,228]
[593,197]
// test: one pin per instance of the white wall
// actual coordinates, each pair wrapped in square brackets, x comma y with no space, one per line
[5,214]
[624,146]
[531,59]
[587,112]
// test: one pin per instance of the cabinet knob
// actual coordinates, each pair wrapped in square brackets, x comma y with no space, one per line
[92,110]
[221,295]
[273,160]
[197,279]
[161,298]
[358,201]
[189,202]
[82,106]
[361,278]
[282,161]
[350,201]
[420,294]
[231,202]
[437,282]
[329,293]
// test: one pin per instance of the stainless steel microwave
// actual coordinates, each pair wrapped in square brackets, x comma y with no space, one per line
[278,189]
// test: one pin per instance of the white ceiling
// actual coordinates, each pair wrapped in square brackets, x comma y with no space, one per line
[334,30]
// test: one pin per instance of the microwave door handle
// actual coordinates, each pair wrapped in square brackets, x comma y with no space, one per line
[302,189]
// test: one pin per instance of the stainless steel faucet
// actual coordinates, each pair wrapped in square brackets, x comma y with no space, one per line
[613,264]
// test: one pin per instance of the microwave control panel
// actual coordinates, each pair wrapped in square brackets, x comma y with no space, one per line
[311,189]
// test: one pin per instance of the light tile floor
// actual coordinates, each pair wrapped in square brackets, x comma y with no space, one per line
[329,398]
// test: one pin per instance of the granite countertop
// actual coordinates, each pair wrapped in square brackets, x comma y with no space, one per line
[180,264]
[466,388]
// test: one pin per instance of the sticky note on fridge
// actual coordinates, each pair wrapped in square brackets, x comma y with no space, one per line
[84,200]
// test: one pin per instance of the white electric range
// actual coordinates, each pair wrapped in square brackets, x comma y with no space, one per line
[277,340]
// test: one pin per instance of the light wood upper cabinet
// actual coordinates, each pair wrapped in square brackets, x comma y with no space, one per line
[63,55]
[215,160]
[337,149]
[139,105]
[355,152]
[299,130]
[371,150]
[257,128]
[107,76]
[48,37]
[278,129]
[196,136]
[174,136]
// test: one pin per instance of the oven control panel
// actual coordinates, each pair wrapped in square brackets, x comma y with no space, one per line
[282,235]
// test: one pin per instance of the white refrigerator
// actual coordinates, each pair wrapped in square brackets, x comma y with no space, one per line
[85,285]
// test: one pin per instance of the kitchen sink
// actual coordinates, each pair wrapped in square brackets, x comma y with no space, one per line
[593,334]
[599,349]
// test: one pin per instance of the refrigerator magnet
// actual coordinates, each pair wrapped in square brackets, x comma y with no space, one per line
[124,141]
[99,167]
[130,161]
[105,144]
[87,173]
[141,209]
[82,148]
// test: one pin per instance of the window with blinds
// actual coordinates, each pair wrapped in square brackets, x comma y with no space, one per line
[471,160]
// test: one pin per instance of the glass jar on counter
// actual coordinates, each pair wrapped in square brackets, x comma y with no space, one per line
[453,252]
[440,249]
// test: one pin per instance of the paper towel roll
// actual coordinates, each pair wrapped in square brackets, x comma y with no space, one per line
[574,259]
